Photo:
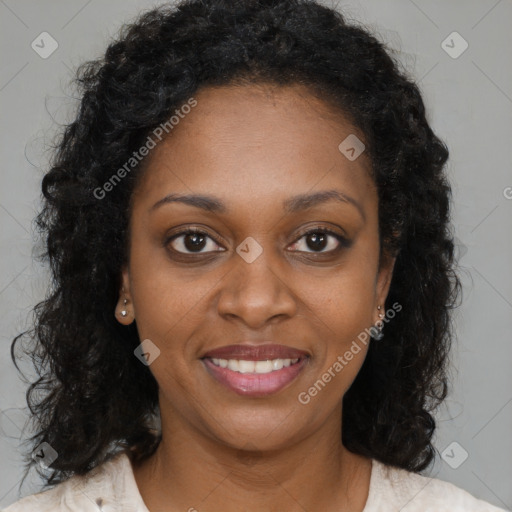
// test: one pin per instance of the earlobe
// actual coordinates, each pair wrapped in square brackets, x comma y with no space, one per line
[124,312]
[376,329]
[384,279]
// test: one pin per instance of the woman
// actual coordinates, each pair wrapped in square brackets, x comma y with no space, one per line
[248,228]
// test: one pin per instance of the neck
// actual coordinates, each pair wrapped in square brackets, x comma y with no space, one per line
[191,471]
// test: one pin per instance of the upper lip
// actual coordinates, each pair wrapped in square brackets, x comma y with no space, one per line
[256,352]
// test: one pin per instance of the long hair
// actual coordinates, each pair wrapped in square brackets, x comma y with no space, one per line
[92,397]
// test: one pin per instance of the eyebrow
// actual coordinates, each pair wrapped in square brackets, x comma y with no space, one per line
[292,205]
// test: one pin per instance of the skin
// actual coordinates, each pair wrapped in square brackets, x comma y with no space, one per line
[253,147]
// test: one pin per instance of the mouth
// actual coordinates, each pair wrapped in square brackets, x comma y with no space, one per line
[259,367]
[255,370]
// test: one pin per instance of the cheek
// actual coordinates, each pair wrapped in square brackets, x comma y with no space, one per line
[166,308]
[342,307]
[342,314]
[168,312]
[344,299]
[165,301]
[344,318]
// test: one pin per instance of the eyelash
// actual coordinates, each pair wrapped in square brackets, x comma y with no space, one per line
[343,242]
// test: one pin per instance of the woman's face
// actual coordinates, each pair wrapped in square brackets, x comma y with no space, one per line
[254,279]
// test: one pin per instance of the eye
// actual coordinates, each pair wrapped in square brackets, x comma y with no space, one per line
[193,241]
[320,240]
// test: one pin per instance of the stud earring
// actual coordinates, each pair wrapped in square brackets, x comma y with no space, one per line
[124,312]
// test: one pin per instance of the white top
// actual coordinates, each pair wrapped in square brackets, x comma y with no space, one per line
[112,486]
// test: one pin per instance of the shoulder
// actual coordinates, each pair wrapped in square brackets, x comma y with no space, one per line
[397,489]
[109,484]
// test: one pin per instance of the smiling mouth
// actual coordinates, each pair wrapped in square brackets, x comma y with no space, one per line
[255,378]
[256,367]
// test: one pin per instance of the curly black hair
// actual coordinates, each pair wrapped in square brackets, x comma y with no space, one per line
[92,397]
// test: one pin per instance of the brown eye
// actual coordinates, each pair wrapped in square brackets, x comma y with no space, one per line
[320,241]
[193,242]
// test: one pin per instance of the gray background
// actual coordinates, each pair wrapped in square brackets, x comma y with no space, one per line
[470,104]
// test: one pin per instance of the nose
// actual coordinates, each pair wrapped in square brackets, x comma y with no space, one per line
[256,293]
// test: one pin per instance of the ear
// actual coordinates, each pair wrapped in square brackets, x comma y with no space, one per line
[383,283]
[124,312]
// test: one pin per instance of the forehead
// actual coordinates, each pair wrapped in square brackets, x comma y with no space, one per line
[253,142]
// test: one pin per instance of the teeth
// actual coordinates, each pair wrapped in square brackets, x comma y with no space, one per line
[243,366]
[233,365]
[263,367]
[277,364]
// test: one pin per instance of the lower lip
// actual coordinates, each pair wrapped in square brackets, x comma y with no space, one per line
[255,384]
